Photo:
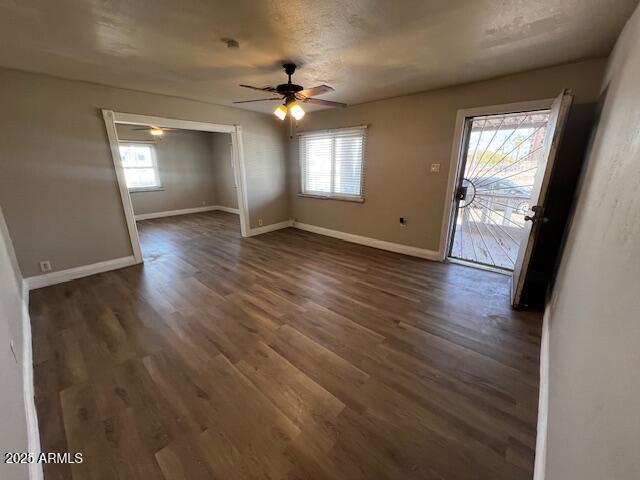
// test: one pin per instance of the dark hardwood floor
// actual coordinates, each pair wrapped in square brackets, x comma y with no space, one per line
[284,356]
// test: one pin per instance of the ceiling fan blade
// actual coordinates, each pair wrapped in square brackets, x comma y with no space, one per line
[263,89]
[259,100]
[319,90]
[327,103]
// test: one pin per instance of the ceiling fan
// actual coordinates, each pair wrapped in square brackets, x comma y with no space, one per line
[155,131]
[292,94]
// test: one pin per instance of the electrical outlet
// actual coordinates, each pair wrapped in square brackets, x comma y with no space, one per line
[45,266]
[403,221]
[435,168]
[204,202]
[260,222]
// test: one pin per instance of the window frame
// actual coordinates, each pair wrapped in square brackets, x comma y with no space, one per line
[332,195]
[154,165]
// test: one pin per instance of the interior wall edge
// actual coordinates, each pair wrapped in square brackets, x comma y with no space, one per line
[222,208]
[17,406]
[543,401]
[33,431]
[269,228]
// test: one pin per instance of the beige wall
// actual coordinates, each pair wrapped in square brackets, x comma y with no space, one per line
[186,169]
[225,183]
[13,436]
[405,136]
[594,317]
[57,181]
[58,188]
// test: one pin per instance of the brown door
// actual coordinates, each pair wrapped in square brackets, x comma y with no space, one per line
[557,119]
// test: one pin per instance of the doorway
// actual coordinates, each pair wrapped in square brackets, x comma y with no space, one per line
[498,165]
[512,149]
[146,173]
[177,178]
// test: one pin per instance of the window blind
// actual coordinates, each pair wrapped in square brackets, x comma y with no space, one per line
[332,163]
[140,169]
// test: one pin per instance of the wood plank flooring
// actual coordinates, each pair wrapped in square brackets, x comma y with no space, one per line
[284,356]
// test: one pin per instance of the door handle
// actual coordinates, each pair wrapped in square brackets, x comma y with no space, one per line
[537,215]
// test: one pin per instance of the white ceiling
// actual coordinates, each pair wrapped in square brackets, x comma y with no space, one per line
[365,49]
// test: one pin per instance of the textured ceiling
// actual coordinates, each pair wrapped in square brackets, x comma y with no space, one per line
[366,49]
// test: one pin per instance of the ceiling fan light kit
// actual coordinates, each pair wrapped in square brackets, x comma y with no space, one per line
[292,94]
[292,108]
[280,112]
[154,131]
[296,110]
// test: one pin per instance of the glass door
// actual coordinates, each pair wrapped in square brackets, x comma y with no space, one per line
[501,157]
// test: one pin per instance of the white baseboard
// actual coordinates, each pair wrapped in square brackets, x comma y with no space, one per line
[543,402]
[269,228]
[222,208]
[372,242]
[186,211]
[53,278]
[33,431]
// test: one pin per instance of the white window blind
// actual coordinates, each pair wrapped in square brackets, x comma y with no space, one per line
[332,163]
[140,168]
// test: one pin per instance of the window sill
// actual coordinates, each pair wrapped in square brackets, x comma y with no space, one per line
[342,199]
[145,189]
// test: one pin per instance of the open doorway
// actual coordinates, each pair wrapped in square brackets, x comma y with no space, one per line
[173,169]
[505,159]
[498,165]
[177,177]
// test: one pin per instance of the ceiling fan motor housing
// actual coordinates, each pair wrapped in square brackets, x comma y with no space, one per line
[289,89]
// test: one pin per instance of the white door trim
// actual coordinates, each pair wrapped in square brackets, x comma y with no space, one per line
[111,118]
[146,120]
[240,176]
[112,134]
[456,150]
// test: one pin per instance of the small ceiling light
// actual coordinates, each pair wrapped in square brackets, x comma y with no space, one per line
[296,110]
[281,112]
[156,132]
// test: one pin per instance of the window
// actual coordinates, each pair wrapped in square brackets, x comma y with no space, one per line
[332,163]
[140,167]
